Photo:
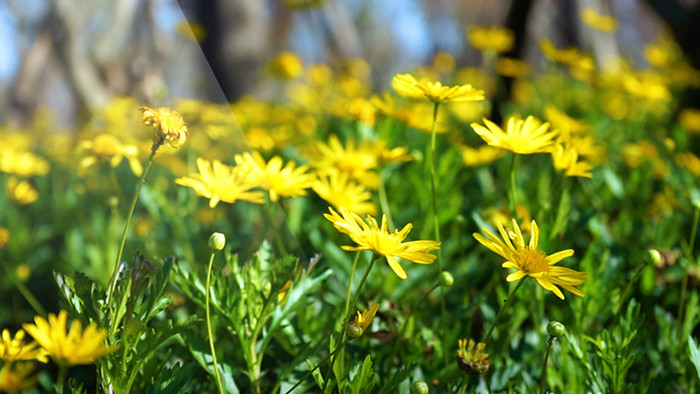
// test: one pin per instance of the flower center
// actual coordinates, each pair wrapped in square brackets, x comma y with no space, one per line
[531,261]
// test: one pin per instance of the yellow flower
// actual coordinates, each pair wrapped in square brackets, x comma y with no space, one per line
[219,182]
[168,126]
[338,190]
[497,39]
[513,68]
[369,236]
[362,320]
[4,237]
[689,118]
[287,181]
[16,377]
[21,191]
[474,157]
[521,136]
[689,161]
[15,349]
[358,162]
[21,163]
[108,147]
[565,158]
[286,65]
[553,54]
[529,261]
[72,347]
[444,62]
[407,86]
[563,122]
[597,21]
[470,358]
[647,85]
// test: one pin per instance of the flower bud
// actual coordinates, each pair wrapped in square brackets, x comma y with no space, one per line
[446,279]
[217,241]
[353,330]
[419,387]
[655,256]
[555,329]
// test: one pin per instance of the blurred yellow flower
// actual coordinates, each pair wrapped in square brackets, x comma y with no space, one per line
[407,86]
[565,158]
[16,348]
[598,21]
[108,147]
[22,163]
[647,85]
[689,118]
[563,122]
[338,190]
[220,182]
[286,65]
[501,216]
[4,237]
[496,39]
[279,181]
[521,136]
[359,162]
[17,376]
[370,236]
[168,126]
[513,68]
[21,191]
[553,54]
[444,62]
[485,154]
[527,260]
[689,161]
[72,347]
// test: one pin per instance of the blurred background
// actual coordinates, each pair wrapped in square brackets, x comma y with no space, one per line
[73,56]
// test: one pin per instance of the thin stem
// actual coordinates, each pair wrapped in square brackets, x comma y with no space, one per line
[503,309]
[26,293]
[384,202]
[513,189]
[134,199]
[268,209]
[308,373]
[543,376]
[436,222]
[691,260]
[62,374]
[348,308]
[209,330]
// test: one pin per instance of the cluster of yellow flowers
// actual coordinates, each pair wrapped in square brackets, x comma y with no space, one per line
[52,338]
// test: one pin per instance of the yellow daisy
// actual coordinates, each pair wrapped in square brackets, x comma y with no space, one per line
[339,190]
[279,181]
[407,86]
[16,377]
[565,158]
[108,147]
[369,236]
[521,136]
[22,163]
[219,182]
[358,161]
[21,191]
[530,261]
[168,126]
[497,39]
[15,348]
[72,347]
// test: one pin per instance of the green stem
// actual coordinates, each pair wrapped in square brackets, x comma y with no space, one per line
[513,190]
[436,223]
[394,347]
[543,376]
[209,330]
[691,260]
[503,309]
[61,382]
[315,368]
[115,271]
[384,202]
[268,209]
[348,308]
[26,293]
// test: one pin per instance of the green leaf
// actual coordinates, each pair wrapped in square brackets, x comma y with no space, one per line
[694,354]
[363,381]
